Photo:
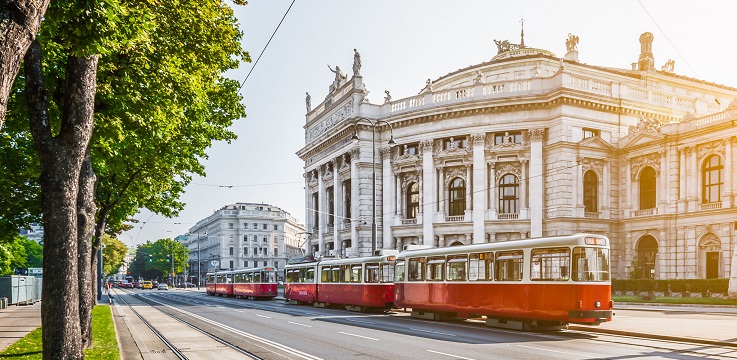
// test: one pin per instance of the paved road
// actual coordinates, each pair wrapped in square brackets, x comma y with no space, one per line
[275,330]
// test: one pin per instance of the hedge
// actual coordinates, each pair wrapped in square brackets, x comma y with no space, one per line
[675,285]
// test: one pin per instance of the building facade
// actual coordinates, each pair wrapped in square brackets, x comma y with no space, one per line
[244,235]
[529,145]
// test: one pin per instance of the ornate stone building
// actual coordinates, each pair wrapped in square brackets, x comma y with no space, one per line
[244,235]
[528,145]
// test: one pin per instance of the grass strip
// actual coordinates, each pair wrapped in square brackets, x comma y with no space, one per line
[675,300]
[104,342]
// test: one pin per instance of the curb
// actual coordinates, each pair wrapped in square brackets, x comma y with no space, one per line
[652,336]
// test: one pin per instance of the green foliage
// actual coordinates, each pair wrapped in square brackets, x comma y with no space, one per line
[153,260]
[113,254]
[20,253]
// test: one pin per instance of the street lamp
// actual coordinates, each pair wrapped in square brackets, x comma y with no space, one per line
[373,171]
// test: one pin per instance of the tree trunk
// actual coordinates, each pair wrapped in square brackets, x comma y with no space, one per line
[85,227]
[19,23]
[61,158]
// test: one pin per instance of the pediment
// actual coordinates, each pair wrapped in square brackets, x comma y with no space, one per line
[595,142]
[640,138]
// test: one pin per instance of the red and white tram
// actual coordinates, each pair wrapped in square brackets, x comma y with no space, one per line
[257,283]
[360,284]
[527,284]
[224,283]
[210,283]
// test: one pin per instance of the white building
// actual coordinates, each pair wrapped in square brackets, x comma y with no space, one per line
[528,145]
[244,235]
[35,233]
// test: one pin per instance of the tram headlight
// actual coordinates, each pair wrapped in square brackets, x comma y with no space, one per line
[597,304]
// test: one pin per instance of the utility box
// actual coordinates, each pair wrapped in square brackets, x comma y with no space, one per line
[20,290]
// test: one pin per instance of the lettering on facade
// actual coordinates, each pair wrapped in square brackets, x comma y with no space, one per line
[339,115]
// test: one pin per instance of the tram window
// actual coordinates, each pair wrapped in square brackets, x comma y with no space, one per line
[455,268]
[399,271]
[310,276]
[356,273]
[325,274]
[229,278]
[372,272]
[435,268]
[269,276]
[416,269]
[256,277]
[481,266]
[335,274]
[290,276]
[590,264]
[248,277]
[508,266]
[387,272]
[550,264]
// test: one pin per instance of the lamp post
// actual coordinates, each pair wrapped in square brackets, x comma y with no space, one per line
[199,261]
[373,172]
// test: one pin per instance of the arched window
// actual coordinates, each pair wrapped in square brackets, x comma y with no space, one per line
[457,197]
[647,188]
[508,194]
[590,192]
[647,248]
[712,179]
[413,200]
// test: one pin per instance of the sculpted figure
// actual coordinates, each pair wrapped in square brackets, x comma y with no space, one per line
[572,43]
[356,63]
[428,87]
[339,78]
[308,102]
[479,77]
[388,97]
[669,66]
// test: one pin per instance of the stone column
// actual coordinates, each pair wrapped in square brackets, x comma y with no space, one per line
[387,203]
[355,183]
[479,186]
[469,185]
[682,190]
[398,198]
[442,193]
[494,202]
[309,208]
[605,196]
[320,210]
[727,197]
[428,192]
[628,189]
[576,188]
[693,186]
[662,190]
[536,182]
[337,200]
[524,205]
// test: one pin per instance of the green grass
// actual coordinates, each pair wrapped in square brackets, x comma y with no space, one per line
[104,342]
[675,300]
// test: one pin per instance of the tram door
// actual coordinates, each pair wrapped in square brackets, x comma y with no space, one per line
[712,264]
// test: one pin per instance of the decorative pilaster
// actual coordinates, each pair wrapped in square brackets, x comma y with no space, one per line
[493,192]
[387,208]
[682,193]
[479,186]
[728,186]
[320,211]
[536,182]
[355,194]
[428,186]
[693,186]
[524,208]
[337,200]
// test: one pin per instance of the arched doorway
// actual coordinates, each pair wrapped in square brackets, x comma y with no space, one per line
[647,249]
[456,243]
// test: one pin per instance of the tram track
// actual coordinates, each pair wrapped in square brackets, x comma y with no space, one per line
[176,351]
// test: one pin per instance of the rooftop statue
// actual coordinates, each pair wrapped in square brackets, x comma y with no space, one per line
[669,66]
[308,102]
[356,63]
[388,97]
[479,79]
[339,78]
[572,42]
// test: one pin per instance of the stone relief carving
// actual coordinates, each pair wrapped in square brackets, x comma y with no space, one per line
[710,242]
[536,134]
[645,125]
[404,155]
[453,150]
[386,152]
[452,173]
[478,139]
[593,164]
[408,178]
[713,147]
[339,115]
[355,153]
[344,164]
[479,79]
[507,168]
[636,164]
[426,145]
[427,88]
[388,97]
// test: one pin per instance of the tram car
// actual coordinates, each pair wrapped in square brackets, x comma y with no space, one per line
[222,284]
[210,283]
[257,283]
[358,284]
[531,284]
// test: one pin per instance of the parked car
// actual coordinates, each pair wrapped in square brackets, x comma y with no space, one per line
[136,284]
[147,285]
[189,285]
[163,286]
[126,285]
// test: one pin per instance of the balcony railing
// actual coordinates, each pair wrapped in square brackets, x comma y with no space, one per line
[645,212]
[454,218]
[711,206]
[592,215]
[508,216]
[409,221]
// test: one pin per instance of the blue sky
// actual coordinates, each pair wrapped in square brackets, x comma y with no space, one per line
[403,43]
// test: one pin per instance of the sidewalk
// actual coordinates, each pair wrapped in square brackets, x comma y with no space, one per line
[17,321]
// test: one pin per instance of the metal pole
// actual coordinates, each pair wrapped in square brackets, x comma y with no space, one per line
[373,175]
[99,273]
[172,265]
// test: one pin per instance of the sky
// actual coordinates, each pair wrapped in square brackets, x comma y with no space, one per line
[402,44]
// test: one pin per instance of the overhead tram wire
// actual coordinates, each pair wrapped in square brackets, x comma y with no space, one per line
[266,46]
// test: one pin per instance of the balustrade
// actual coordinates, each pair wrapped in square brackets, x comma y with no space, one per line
[508,216]
[592,215]
[711,206]
[645,212]
[455,218]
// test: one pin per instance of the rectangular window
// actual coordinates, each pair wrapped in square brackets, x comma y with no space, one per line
[387,272]
[550,264]
[245,264]
[257,277]
[255,237]
[245,226]
[245,237]
[509,138]
[276,264]
[509,266]
[231,264]
[310,275]
[411,149]
[435,268]
[587,133]
[255,226]
[481,266]
[455,268]
[335,274]
[451,143]
[356,273]
[245,251]
[399,271]
[372,273]
[276,252]
[266,239]
[266,263]
[276,227]
[230,225]
[231,251]
[416,269]
[590,264]
[265,226]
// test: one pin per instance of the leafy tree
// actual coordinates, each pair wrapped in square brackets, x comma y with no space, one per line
[113,254]
[6,258]
[34,253]
[154,260]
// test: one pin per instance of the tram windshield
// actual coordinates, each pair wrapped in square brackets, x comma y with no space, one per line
[590,264]
[268,276]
